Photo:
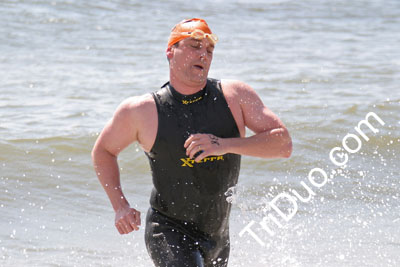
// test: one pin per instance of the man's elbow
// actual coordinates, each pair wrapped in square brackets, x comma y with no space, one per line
[94,153]
[287,147]
[100,152]
[287,151]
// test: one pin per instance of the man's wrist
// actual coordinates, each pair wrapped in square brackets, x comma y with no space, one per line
[226,145]
[121,204]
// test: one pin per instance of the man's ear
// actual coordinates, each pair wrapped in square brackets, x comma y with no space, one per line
[170,52]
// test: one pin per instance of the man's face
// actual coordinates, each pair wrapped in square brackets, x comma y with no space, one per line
[191,60]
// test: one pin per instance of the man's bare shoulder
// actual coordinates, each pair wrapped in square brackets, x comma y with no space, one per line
[237,89]
[236,86]
[137,116]
[138,103]
[137,107]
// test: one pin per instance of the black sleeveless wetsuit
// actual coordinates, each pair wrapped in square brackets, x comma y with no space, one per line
[187,223]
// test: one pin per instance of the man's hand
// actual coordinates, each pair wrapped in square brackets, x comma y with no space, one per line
[127,220]
[207,144]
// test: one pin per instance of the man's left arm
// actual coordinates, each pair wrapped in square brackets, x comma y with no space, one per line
[271,138]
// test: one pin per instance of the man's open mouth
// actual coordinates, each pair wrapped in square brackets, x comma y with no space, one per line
[199,67]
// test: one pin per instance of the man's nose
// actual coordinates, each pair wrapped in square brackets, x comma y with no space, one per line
[203,53]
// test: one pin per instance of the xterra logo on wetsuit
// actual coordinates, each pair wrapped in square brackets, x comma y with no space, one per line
[187,102]
[190,162]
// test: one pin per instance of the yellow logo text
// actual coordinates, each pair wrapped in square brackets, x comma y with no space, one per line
[187,102]
[190,162]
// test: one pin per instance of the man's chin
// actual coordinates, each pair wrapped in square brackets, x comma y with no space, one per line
[199,80]
[200,77]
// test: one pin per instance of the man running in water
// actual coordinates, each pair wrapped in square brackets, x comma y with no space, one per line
[193,133]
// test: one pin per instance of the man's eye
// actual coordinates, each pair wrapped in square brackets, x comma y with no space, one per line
[195,46]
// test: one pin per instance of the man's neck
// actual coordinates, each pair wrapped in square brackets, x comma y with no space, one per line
[186,88]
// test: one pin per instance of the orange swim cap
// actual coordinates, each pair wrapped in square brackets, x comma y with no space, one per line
[179,32]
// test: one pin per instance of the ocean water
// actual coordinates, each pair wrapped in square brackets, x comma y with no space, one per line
[321,66]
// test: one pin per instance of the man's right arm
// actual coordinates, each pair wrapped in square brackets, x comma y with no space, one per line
[118,133]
